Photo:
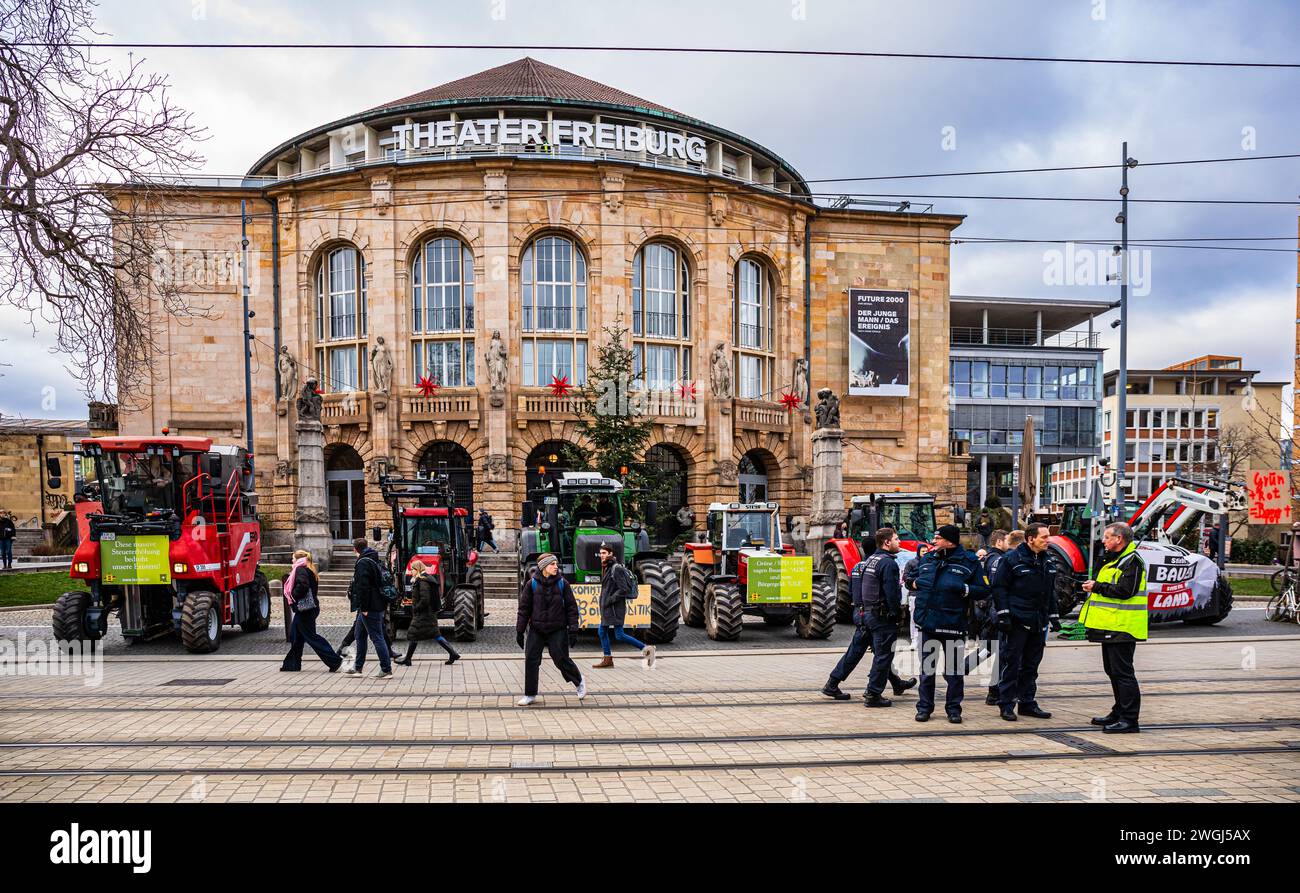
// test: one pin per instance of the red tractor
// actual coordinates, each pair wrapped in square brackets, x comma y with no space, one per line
[911,514]
[428,526]
[171,544]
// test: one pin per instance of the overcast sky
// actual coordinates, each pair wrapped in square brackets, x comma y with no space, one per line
[838,117]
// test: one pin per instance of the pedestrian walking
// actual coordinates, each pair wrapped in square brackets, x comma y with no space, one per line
[425,605]
[1115,615]
[617,588]
[484,533]
[947,577]
[367,587]
[877,611]
[547,621]
[1024,598]
[984,625]
[300,593]
[8,531]
[984,527]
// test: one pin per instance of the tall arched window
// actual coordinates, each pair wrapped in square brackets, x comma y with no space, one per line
[442,313]
[661,317]
[341,320]
[553,282]
[755,330]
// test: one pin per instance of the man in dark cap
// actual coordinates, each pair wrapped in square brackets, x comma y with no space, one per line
[947,578]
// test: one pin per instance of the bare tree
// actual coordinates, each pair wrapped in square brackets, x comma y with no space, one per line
[75,251]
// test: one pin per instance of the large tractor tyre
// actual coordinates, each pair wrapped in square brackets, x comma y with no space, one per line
[833,567]
[1223,598]
[201,622]
[723,612]
[400,623]
[818,622]
[259,606]
[464,609]
[778,619]
[526,573]
[69,620]
[474,580]
[1067,592]
[692,594]
[665,599]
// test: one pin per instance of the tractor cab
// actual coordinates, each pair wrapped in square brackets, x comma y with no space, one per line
[911,514]
[737,530]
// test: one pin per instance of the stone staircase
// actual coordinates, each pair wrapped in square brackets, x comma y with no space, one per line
[500,574]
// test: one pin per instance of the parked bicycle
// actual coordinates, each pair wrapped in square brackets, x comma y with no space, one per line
[1286,604]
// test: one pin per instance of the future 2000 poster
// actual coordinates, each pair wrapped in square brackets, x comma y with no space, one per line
[878,343]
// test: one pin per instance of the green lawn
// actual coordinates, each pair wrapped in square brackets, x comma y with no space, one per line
[1250,586]
[45,587]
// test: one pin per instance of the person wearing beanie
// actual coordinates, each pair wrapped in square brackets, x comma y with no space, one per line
[947,578]
[547,621]
[617,587]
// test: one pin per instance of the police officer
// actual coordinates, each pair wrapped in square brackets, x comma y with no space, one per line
[1115,615]
[947,577]
[877,609]
[985,628]
[1024,598]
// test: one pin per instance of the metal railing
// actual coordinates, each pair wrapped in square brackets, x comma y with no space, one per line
[975,335]
[446,319]
[753,337]
[656,325]
[554,319]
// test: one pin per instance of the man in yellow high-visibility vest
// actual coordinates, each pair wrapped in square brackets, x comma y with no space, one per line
[1115,615]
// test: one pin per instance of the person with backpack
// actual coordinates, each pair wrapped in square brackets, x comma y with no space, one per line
[300,596]
[484,533]
[426,604]
[617,587]
[547,621]
[368,588]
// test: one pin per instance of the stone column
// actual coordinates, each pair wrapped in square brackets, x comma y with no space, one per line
[311,519]
[827,488]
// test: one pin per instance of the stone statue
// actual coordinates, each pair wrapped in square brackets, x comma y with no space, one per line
[801,380]
[381,366]
[309,402]
[828,409]
[496,363]
[720,372]
[288,368]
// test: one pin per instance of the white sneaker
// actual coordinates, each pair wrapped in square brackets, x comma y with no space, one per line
[346,652]
[525,701]
[352,671]
[582,688]
[649,657]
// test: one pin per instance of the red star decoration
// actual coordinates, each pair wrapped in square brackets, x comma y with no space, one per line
[687,390]
[791,402]
[560,386]
[427,386]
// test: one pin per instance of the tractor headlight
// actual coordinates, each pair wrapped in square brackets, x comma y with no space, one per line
[83,567]
[180,567]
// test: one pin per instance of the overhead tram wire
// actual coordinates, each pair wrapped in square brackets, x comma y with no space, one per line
[735,51]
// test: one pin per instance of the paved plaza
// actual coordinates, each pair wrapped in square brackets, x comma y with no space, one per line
[745,723]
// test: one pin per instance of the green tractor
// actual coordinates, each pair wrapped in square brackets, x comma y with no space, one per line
[572,516]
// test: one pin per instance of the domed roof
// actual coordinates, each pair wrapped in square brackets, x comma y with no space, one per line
[526,79]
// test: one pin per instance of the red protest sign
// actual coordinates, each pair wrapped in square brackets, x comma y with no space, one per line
[1269,499]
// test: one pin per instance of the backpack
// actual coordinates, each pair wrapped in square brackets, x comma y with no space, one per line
[387,586]
[629,577]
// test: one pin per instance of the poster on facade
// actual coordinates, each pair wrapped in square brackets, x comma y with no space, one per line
[1269,499]
[587,596]
[1178,582]
[879,337]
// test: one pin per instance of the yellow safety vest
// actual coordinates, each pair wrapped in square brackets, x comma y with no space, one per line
[1125,615]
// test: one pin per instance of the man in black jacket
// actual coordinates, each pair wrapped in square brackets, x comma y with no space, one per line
[877,610]
[484,534]
[8,531]
[547,620]
[367,590]
[947,578]
[1024,598]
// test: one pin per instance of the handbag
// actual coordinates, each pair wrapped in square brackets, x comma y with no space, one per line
[306,603]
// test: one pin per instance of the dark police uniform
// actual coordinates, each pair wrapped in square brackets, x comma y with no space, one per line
[876,584]
[986,627]
[946,579]
[1024,594]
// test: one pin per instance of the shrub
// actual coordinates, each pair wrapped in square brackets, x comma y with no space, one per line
[1253,551]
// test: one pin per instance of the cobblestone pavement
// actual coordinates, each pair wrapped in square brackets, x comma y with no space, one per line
[1221,720]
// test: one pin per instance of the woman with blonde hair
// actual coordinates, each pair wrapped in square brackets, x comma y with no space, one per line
[426,603]
[300,596]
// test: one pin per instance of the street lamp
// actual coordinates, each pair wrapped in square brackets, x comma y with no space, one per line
[1121,459]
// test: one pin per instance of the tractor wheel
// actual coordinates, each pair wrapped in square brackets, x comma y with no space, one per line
[69,619]
[1222,598]
[835,571]
[201,622]
[778,619]
[819,621]
[665,599]
[692,594]
[464,608]
[723,612]
[474,580]
[526,573]
[1067,592]
[259,617]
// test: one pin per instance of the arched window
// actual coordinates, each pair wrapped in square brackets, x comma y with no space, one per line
[752,478]
[442,305]
[661,317]
[755,332]
[341,320]
[553,282]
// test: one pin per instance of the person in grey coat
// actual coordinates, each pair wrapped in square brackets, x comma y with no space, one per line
[617,587]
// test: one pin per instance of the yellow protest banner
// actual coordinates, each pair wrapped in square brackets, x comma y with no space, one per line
[637,614]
